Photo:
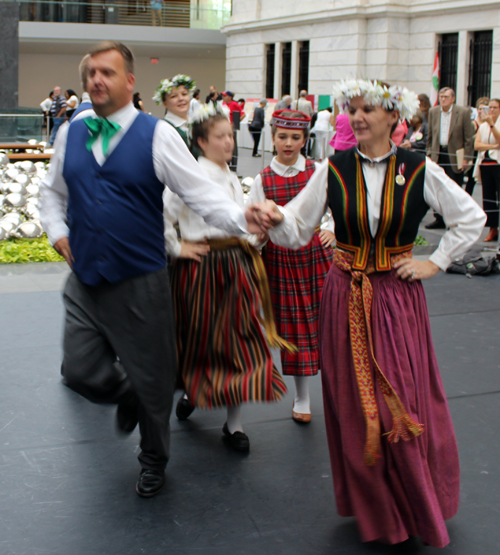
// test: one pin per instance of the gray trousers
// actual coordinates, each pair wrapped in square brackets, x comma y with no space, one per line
[119,340]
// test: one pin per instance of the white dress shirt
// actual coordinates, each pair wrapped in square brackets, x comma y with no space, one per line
[176,121]
[445,126]
[174,166]
[192,226]
[460,212]
[257,190]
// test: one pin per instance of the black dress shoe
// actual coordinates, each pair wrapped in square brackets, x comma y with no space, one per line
[238,441]
[150,482]
[183,409]
[436,224]
[127,415]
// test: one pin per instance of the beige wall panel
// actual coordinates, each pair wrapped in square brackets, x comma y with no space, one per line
[39,73]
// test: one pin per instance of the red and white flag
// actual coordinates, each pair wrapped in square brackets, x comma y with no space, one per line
[435,82]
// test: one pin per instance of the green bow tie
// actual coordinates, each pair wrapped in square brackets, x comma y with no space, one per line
[100,126]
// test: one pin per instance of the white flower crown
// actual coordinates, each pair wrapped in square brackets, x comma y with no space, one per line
[376,94]
[166,86]
[204,111]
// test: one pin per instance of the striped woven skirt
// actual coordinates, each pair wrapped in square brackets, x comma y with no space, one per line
[296,279]
[223,356]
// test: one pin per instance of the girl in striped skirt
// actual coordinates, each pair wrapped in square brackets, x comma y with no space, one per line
[217,287]
[295,277]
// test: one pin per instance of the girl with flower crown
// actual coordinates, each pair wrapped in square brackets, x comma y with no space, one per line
[217,284]
[295,277]
[175,95]
[392,445]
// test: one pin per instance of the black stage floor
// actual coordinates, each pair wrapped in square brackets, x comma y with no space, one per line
[67,481]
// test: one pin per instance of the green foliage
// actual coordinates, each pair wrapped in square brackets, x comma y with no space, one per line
[420,241]
[20,251]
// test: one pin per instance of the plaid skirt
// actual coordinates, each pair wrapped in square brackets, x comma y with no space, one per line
[223,355]
[296,279]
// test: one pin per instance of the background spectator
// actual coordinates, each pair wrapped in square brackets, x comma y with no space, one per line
[137,100]
[425,105]
[304,105]
[234,108]
[195,102]
[57,112]
[344,137]
[487,143]
[321,131]
[284,104]
[257,125]
[416,138]
[156,6]
[72,102]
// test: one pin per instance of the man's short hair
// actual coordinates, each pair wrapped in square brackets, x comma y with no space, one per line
[446,89]
[107,45]
[303,93]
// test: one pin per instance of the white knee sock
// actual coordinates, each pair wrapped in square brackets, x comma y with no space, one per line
[234,423]
[302,403]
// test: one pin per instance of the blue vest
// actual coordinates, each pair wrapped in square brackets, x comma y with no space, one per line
[83,106]
[115,211]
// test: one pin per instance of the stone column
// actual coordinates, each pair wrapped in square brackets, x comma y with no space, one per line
[9,54]
[294,80]
[277,70]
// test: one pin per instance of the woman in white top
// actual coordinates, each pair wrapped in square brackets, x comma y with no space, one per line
[392,446]
[488,144]
[72,101]
[321,131]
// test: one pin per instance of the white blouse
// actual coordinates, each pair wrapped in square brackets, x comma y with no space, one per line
[487,137]
[257,190]
[193,228]
[176,121]
[460,212]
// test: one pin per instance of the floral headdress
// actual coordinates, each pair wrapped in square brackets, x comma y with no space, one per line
[168,85]
[204,111]
[376,94]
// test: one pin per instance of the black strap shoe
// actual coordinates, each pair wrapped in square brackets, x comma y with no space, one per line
[238,441]
[150,482]
[183,409]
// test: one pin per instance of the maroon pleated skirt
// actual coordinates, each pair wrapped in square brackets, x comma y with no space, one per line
[414,486]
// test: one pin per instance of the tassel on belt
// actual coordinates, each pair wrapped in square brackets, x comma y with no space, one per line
[268,322]
[360,304]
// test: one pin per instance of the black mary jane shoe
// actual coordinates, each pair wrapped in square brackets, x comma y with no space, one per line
[127,415]
[238,441]
[184,409]
[150,482]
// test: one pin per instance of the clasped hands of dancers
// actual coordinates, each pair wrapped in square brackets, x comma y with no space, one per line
[392,446]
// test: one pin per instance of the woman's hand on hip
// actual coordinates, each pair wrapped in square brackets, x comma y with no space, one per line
[410,269]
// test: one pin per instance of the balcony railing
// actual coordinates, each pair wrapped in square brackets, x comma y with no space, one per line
[194,14]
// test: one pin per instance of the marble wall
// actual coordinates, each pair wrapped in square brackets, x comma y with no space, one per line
[9,52]
[368,38]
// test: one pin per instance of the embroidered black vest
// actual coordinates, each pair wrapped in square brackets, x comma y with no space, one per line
[402,209]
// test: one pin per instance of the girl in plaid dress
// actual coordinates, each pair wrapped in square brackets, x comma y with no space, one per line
[295,277]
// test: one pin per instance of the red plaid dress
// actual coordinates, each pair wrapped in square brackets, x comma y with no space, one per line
[296,280]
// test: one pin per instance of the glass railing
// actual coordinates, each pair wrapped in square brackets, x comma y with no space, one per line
[19,125]
[194,14]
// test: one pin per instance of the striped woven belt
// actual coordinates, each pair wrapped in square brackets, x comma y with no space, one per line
[360,304]
[268,322]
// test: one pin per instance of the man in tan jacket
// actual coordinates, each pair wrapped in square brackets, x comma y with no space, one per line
[450,129]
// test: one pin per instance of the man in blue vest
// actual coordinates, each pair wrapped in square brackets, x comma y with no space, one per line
[103,212]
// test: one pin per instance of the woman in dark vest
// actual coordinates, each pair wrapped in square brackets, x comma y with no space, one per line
[175,95]
[392,445]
